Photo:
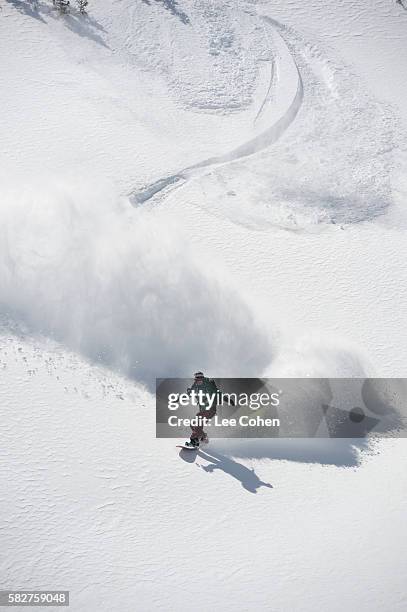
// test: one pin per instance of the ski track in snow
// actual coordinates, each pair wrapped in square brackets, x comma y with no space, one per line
[288,72]
[268,184]
[300,184]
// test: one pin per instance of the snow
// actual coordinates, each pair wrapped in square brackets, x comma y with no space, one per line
[189,185]
[78,265]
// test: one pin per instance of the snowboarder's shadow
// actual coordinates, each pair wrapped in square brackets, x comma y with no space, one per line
[247,477]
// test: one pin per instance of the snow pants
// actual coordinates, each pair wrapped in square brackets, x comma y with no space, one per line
[197,430]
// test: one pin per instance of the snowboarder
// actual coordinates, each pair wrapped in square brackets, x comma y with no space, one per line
[207,407]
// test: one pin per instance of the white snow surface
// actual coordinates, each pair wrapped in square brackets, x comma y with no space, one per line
[201,184]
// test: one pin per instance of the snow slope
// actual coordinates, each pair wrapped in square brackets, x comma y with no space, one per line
[199,184]
[93,503]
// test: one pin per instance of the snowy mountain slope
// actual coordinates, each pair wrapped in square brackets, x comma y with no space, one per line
[289,261]
[95,93]
[341,163]
[99,507]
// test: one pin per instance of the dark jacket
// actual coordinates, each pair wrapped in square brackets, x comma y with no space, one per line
[208,387]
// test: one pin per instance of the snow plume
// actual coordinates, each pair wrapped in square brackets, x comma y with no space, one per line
[119,286]
[314,355]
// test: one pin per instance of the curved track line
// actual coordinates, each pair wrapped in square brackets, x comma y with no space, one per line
[271,81]
[254,145]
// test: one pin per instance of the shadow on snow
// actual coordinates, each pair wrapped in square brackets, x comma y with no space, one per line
[246,476]
[342,452]
[173,8]
[83,25]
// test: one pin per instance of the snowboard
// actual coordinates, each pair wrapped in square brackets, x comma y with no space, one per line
[193,448]
[205,441]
